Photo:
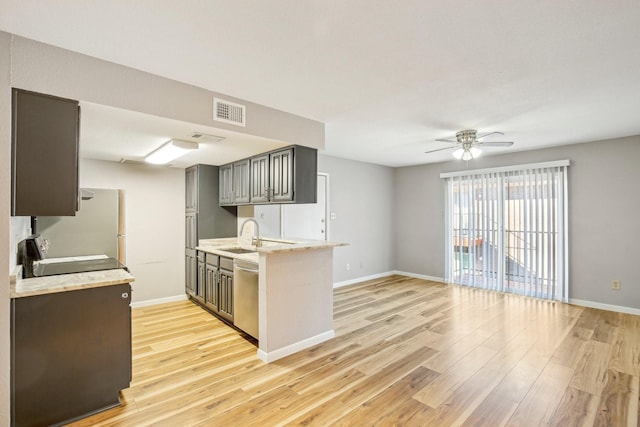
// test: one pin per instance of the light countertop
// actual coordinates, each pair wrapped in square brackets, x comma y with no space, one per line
[67,282]
[269,246]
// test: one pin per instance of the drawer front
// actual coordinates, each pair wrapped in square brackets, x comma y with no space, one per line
[226,263]
[213,259]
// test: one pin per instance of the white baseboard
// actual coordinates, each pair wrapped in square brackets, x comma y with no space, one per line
[608,307]
[158,301]
[295,347]
[583,303]
[419,276]
[362,279]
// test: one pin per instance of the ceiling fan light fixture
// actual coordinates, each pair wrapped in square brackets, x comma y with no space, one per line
[467,143]
[169,151]
[467,153]
[459,153]
[475,152]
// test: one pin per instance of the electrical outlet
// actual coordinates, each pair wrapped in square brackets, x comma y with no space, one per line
[616,285]
[348,267]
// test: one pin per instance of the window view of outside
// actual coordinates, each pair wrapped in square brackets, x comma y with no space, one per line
[504,232]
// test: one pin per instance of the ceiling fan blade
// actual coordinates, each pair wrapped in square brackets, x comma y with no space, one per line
[487,134]
[496,144]
[438,149]
[447,140]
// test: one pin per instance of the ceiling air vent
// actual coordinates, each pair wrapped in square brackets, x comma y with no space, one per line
[206,137]
[229,112]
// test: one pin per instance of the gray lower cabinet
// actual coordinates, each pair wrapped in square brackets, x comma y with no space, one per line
[219,285]
[225,301]
[70,354]
[211,282]
[200,277]
[191,266]
[191,230]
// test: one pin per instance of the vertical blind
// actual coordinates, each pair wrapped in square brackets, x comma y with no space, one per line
[506,229]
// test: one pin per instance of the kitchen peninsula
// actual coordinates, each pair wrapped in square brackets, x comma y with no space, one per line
[295,290]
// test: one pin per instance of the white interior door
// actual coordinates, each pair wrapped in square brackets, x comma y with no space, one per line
[308,220]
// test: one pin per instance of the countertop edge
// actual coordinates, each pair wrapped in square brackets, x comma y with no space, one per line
[218,246]
[17,272]
[219,250]
[295,247]
[68,282]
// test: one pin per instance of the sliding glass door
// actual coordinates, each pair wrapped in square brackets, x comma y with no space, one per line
[506,229]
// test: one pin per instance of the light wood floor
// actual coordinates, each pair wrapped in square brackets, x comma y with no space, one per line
[407,352]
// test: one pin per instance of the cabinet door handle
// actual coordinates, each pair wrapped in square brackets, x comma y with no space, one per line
[125,295]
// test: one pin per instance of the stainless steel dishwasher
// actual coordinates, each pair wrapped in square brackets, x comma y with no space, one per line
[245,296]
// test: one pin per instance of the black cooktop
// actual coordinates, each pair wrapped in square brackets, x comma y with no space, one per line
[56,268]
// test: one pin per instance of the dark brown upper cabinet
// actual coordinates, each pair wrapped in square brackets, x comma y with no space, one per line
[44,152]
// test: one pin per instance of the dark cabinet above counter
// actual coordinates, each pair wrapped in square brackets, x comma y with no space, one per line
[44,148]
[286,175]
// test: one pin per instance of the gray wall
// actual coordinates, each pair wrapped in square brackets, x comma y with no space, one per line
[361,196]
[48,69]
[604,203]
[5,208]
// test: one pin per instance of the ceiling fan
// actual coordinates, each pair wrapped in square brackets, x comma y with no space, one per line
[468,144]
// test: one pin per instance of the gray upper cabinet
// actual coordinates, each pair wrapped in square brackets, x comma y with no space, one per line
[303,178]
[191,190]
[281,176]
[44,147]
[259,179]
[287,175]
[226,185]
[241,183]
[209,220]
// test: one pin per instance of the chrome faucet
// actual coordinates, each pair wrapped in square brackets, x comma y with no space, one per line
[255,240]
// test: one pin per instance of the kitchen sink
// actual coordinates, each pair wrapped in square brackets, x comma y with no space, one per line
[239,250]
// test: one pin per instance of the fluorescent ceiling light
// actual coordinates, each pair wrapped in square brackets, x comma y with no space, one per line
[171,150]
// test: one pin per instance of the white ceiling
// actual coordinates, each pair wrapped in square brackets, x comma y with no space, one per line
[387,77]
[114,134]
